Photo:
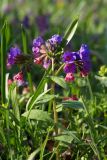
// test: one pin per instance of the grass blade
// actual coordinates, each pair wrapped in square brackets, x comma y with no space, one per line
[24,42]
[3,63]
[71,30]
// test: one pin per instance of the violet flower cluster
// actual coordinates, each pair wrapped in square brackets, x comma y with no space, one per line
[44,50]
[42,22]
[12,55]
[15,56]
[77,61]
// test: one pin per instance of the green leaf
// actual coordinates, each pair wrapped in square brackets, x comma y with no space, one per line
[24,39]
[102,126]
[60,81]
[71,30]
[44,145]
[45,98]
[59,108]
[67,137]
[103,80]
[36,114]
[6,85]
[39,100]
[2,136]
[14,118]
[39,89]
[72,104]
[7,33]
[64,138]
[3,62]
[33,154]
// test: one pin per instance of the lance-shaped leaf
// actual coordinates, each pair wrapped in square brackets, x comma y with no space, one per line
[71,30]
[37,114]
[33,154]
[72,104]
[60,81]
[3,62]
[45,98]
[38,91]
[67,137]
[38,99]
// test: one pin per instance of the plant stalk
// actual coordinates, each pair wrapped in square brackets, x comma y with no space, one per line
[53,92]
[54,107]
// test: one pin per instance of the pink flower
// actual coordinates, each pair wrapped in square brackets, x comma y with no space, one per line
[18,78]
[83,74]
[69,77]
[72,98]
[10,82]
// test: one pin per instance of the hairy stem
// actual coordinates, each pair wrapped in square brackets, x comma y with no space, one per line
[54,107]
[53,91]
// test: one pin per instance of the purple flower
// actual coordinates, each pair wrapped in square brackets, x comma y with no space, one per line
[36,51]
[77,61]
[13,53]
[44,50]
[70,68]
[69,57]
[55,39]
[38,42]
[86,66]
[46,63]
[42,23]
[85,58]
[77,55]
[26,22]
[84,52]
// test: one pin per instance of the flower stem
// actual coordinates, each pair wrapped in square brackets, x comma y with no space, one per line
[30,82]
[54,107]
[60,68]
[53,91]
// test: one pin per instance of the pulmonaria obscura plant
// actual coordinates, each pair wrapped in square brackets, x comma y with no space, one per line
[38,104]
